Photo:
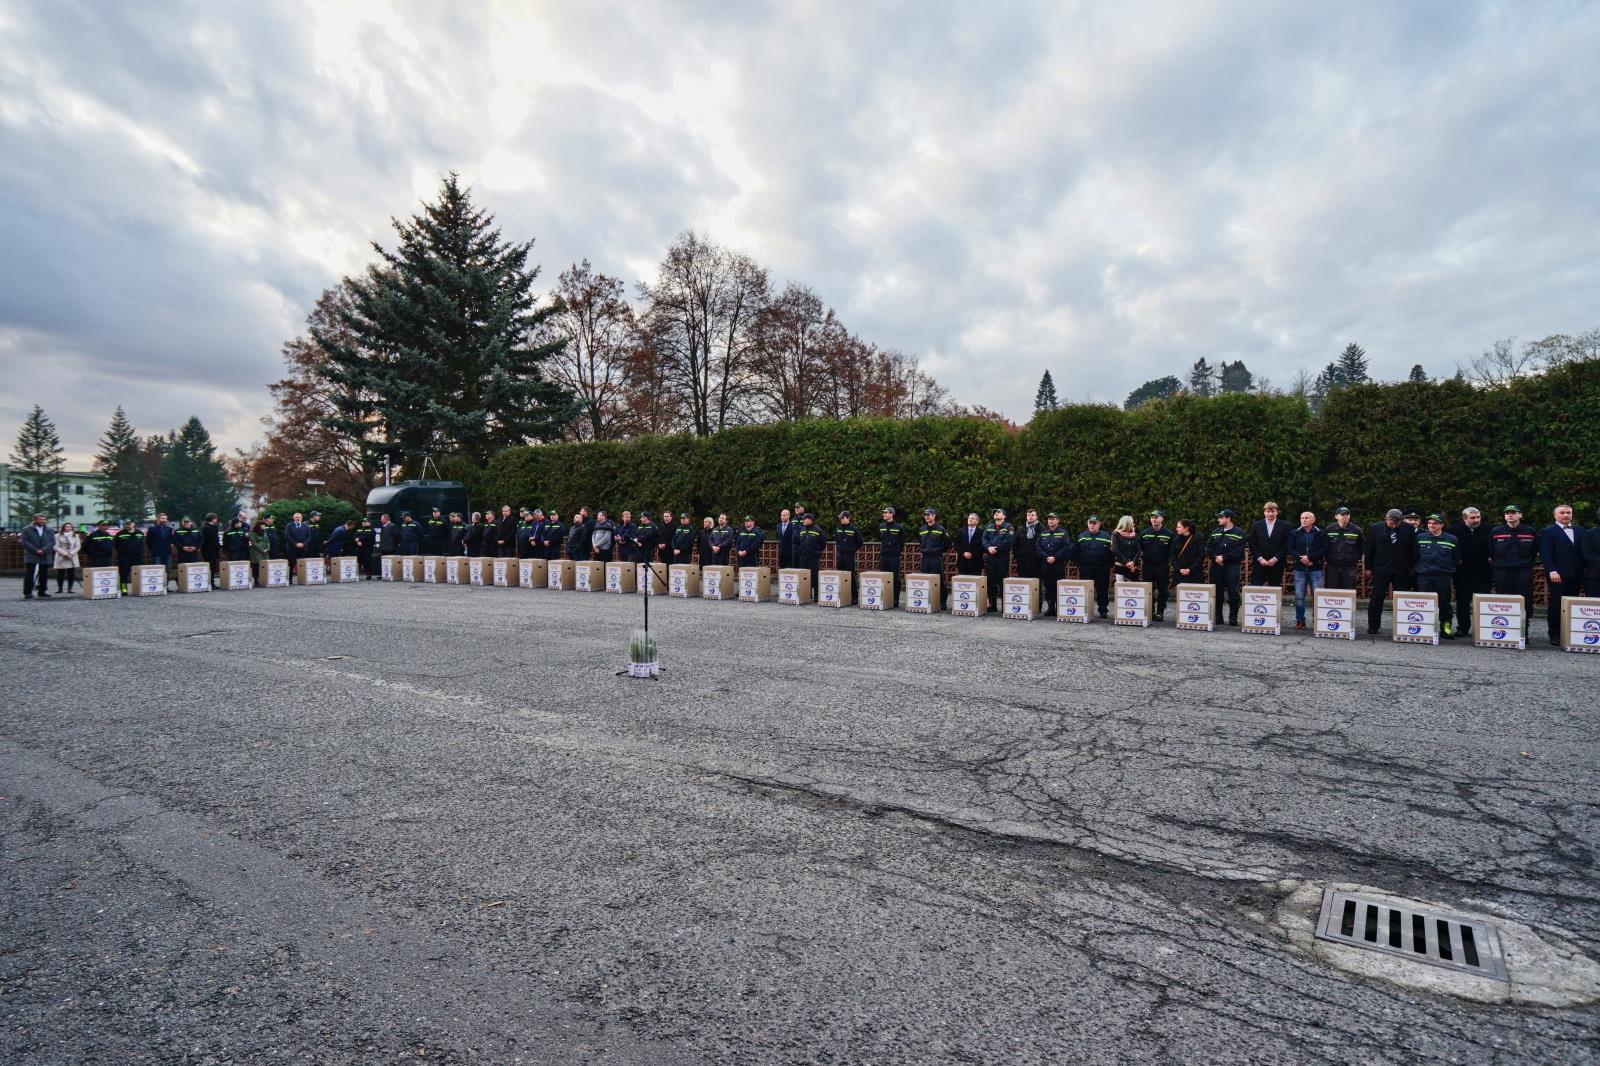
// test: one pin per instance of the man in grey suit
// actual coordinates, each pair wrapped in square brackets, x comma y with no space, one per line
[38,548]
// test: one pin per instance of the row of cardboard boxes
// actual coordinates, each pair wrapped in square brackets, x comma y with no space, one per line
[1499,622]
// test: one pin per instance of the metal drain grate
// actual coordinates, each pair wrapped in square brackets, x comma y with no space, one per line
[1413,932]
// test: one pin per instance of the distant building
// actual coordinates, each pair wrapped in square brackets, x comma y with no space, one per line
[83,490]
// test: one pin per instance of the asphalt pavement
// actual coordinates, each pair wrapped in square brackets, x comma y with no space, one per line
[382,823]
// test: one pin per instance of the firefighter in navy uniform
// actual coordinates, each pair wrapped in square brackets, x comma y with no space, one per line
[236,542]
[102,543]
[1053,545]
[130,553]
[1513,546]
[809,540]
[1092,551]
[458,535]
[437,533]
[1225,545]
[684,537]
[999,538]
[410,535]
[1391,555]
[933,541]
[1155,548]
[1346,549]
[1437,558]
[747,544]
[891,549]
[551,536]
[846,543]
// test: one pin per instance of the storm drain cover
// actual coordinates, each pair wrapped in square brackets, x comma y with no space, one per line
[1414,932]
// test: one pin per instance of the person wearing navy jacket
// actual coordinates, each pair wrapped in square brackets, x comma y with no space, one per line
[1391,555]
[809,541]
[784,533]
[298,537]
[1155,548]
[1225,545]
[1438,555]
[1267,542]
[1589,548]
[551,537]
[1472,564]
[969,546]
[933,542]
[1563,565]
[1513,546]
[747,544]
[1054,547]
[846,543]
[1092,551]
[999,538]
[1307,546]
[684,539]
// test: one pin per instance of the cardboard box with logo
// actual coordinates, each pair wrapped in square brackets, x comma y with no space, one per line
[588,575]
[346,569]
[236,576]
[794,586]
[533,573]
[410,568]
[1074,600]
[455,570]
[1580,624]
[683,580]
[101,583]
[311,572]
[1416,618]
[651,579]
[876,588]
[389,567]
[1130,603]
[1261,609]
[478,570]
[194,577]
[1019,598]
[1499,622]
[716,582]
[755,584]
[149,580]
[922,593]
[1334,614]
[969,595]
[274,573]
[833,588]
[1196,604]
[433,569]
[620,578]
[504,573]
[559,573]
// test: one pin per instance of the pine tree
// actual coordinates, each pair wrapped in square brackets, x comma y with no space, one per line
[38,464]
[1045,398]
[121,459]
[1418,374]
[193,480]
[1235,377]
[1202,380]
[1353,365]
[436,349]
[1157,389]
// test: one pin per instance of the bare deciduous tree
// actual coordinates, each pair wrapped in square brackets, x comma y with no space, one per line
[1502,363]
[594,315]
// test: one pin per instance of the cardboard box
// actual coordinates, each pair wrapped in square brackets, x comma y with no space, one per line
[1333,614]
[716,582]
[1074,600]
[1196,607]
[1416,618]
[101,583]
[833,588]
[969,595]
[620,577]
[559,574]
[149,581]
[346,568]
[478,569]
[1130,603]
[922,593]
[1580,624]
[410,568]
[194,577]
[794,586]
[236,575]
[589,575]
[1019,598]
[1261,609]
[389,567]
[877,587]
[433,569]
[274,573]
[1499,622]
[455,570]
[311,572]
[755,584]
[683,580]
[650,579]
[503,572]
[533,573]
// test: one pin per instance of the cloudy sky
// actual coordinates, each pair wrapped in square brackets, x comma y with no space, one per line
[1109,191]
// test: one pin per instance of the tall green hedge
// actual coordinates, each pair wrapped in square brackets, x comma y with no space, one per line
[1417,444]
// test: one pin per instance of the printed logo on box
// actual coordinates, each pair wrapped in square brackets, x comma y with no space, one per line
[315,574]
[1498,620]
[1582,611]
[152,582]
[1591,627]
[1409,604]
[1590,640]
[1413,630]
[580,579]
[1335,613]
[1191,618]
[1332,627]
[105,586]
[1500,608]
[1414,617]
[348,568]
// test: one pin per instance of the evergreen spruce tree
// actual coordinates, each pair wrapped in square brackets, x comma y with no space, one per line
[1202,379]
[1353,365]
[38,464]
[1418,374]
[1045,398]
[128,486]
[1236,377]
[1156,389]
[436,350]
[193,480]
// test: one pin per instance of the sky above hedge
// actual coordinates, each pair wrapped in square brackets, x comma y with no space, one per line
[1105,191]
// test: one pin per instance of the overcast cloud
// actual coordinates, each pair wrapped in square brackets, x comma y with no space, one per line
[1105,191]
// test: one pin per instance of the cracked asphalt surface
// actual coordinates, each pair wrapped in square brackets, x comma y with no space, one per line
[377,823]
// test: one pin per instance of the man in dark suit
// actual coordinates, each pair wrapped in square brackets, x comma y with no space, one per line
[297,535]
[1268,540]
[1563,564]
[1589,548]
[1472,564]
[969,547]
[784,534]
[38,548]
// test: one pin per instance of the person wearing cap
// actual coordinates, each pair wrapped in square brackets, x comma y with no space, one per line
[1225,546]
[809,540]
[185,540]
[1391,555]
[529,534]
[38,551]
[891,549]
[747,544]
[1437,553]
[274,537]
[298,536]
[722,539]
[314,520]
[236,542]
[1054,545]
[969,546]
[646,534]
[784,533]
[410,535]
[999,538]
[1346,549]
[846,543]
[551,536]
[1414,520]
[102,543]
[365,539]
[211,547]
[1267,542]
[1472,564]
[1513,546]
[1026,552]
[130,553]
[437,532]
[1563,564]
[1092,551]
[933,542]
[800,513]
[1307,546]
[1155,548]
[458,536]
[683,541]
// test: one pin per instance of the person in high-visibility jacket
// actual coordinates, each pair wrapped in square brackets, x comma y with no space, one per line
[1092,552]
[1438,555]
[1225,545]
